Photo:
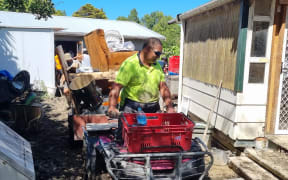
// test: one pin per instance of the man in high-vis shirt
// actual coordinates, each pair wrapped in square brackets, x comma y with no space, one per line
[141,78]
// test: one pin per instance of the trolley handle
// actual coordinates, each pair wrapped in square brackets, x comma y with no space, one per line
[198,140]
[159,147]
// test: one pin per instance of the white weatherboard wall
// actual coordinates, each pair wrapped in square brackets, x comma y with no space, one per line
[31,50]
[201,98]
[238,121]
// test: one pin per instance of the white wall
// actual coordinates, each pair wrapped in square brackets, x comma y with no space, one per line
[31,50]
[201,98]
[238,121]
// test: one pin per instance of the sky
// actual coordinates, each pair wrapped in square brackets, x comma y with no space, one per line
[115,8]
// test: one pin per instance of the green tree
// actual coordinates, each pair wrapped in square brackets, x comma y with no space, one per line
[41,8]
[16,5]
[60,13]
[158,22]
[150,20]
[171,32]
[122,18]
[2,5]
[133,16]
[171,51]
[89,11]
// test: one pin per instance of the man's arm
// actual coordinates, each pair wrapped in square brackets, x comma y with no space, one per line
[113,100]
[166,96]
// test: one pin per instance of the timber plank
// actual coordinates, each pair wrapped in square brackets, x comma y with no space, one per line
[81,80]
[275,67]
[275,162]
[249,169]
[279,140]
[111,75]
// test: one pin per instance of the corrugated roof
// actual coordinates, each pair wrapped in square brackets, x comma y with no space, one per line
[67,25]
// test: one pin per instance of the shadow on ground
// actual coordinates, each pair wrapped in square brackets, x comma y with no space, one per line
[53,156]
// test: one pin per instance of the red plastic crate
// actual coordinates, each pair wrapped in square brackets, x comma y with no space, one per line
[174,64]
[164,132]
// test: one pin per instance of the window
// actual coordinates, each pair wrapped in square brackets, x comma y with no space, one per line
[256,73]
[259,39]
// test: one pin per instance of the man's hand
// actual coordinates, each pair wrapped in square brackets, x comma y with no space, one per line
[170,109]
[113,100]
[166,96]
[113,112]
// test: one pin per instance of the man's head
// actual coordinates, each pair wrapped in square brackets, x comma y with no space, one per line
[152,49]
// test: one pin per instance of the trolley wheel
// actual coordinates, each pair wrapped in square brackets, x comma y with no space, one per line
[200,163]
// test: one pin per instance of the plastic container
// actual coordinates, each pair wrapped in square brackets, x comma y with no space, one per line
[164,132]
[174,64]
[141,117]
[220,157]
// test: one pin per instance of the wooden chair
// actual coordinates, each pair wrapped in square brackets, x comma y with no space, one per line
[100,56]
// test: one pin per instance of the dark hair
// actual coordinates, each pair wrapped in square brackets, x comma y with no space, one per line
[151,42]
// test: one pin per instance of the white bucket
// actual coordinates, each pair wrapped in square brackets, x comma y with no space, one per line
[260,143]
[220,157]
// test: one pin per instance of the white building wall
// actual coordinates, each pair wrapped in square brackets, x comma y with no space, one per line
[31,50]
[238,121]
[201,98]
[241,116]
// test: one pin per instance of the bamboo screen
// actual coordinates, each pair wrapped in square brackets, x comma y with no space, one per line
[210,46]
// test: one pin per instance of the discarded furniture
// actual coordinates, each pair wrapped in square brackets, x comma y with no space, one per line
[88,91]
[100,56]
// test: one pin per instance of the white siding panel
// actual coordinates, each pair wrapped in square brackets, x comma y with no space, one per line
[238,121]
[205,96]
[31,50]
[249,131]
[222,108]
[226,94]
[202,97]
[253,94]
[224,125]
[251,114]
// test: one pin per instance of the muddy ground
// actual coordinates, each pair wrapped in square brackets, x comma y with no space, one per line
[55,159]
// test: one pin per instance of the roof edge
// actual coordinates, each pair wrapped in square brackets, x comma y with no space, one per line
[193,12]
[143,37]
[31,27]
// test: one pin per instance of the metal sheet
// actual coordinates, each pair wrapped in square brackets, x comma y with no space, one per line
[101,126]
[16,153]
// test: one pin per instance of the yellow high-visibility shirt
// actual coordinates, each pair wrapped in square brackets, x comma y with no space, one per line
[140,83]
